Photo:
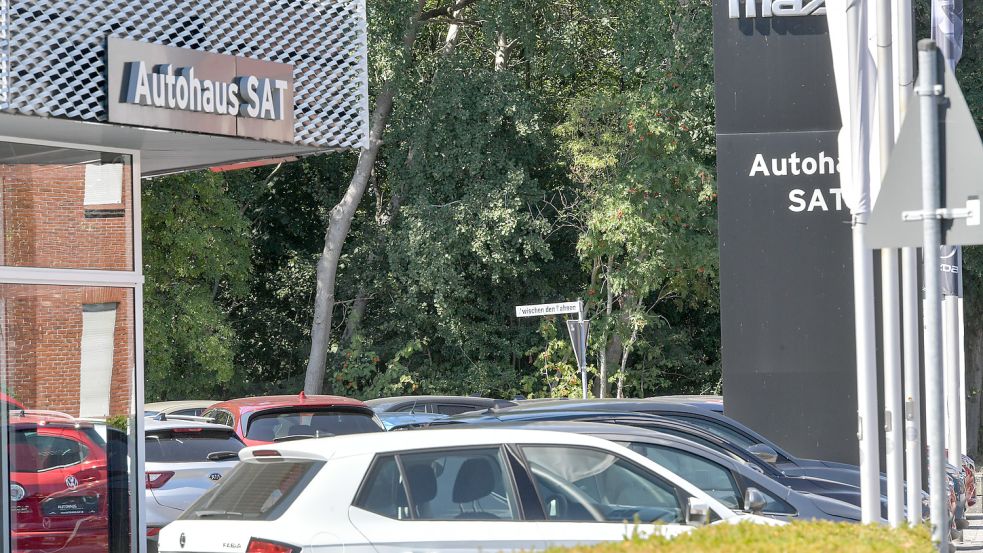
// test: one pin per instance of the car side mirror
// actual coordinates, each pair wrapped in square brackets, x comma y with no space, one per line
[754,501]
[697,512]
[764,452]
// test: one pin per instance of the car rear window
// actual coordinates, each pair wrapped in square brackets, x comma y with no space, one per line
[255,490]
[189,445]
[280,425]
[31,452]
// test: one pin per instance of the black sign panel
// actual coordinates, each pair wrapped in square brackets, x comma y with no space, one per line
[786,289]
[773,74]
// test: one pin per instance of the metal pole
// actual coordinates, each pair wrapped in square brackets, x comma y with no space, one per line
[912,384]
[583,358]
[950,310]
[929,91]
[863,298]
[963,449]
[904,75]
[890,311]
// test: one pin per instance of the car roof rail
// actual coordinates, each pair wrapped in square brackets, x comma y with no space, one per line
[44,413]
[192,418]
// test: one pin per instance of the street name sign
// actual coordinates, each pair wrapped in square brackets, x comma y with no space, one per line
[578,328]
[545,309]
[895,219]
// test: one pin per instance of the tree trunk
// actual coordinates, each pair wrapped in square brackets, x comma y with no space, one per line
[339,223]
[602,362]
[502,52]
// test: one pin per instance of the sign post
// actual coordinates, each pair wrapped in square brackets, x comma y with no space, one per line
[929,95]
[577,328]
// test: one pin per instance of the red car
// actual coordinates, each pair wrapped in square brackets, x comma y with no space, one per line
[267,419]
[10,403]
[58,484]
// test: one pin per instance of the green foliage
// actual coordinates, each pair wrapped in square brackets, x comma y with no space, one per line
[804,537]
[496,186]
[119,422]
[196,255]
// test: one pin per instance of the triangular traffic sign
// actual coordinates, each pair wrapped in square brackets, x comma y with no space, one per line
[962,175]
[578,338]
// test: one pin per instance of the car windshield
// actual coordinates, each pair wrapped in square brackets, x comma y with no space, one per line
[282,425]
[189,445]
[255,490]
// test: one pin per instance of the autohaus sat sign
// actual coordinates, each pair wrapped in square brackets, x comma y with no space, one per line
[181,89]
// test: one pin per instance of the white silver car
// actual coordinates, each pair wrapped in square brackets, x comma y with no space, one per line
[184,459]
[446,490]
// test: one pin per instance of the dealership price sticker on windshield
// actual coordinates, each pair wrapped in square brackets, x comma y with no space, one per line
[547,309]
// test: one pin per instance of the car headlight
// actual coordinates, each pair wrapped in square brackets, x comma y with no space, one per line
[17,492]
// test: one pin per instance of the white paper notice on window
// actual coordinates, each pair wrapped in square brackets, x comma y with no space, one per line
[103,183]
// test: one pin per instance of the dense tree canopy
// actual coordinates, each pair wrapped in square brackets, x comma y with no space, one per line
[535,152]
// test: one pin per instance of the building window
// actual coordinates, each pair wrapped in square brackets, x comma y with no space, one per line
[96,368]
[103,184]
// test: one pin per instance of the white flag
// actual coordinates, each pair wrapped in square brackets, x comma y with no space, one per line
[860,168]
[947,29]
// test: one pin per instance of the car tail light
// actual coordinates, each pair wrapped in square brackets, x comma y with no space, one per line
[176,430]
[152,531]
[157,479]
[266,453]
[266,546]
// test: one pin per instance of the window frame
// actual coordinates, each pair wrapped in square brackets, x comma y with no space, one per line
[133,280]
[515,503]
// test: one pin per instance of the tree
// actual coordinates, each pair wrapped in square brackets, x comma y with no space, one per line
[340,219]
[196,255]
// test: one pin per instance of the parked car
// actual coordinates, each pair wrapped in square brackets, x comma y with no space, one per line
[58,484]
[443,405]
[726,479]
[184,459]
[685,408]
[440,490]
[806,484]
[10,403]
[267,419]
[188,407]
[406,421]
[969,466]
[958,477]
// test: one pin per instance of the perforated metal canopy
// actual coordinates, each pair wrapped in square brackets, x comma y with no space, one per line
[53,70]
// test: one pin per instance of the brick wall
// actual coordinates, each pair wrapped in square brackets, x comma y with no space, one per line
[46,224]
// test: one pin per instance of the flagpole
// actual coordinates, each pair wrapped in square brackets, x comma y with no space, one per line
[910,293]
[863,297]
[890,312]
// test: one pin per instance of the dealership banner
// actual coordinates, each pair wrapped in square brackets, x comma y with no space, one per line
[785,252]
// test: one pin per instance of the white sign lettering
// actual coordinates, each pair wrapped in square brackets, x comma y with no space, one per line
[179,89]
[547,309]
[793,165]
[776,8]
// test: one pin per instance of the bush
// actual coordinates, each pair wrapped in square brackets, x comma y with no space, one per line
[812,537]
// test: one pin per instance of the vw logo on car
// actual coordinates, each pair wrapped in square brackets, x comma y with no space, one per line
[71,482]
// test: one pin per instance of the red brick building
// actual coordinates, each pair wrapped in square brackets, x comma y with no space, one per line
[53,216]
